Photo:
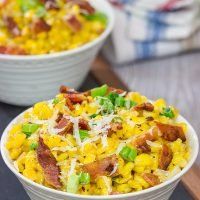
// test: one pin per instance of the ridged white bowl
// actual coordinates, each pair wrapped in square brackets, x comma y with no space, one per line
[159,192]
[25,80]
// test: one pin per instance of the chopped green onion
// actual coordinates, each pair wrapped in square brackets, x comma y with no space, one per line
[119,101]
[41,11]
[99,91]
[93,116]
[84,178]
[26,5]
[167,112]
[98,16]
[129,104]
[33,146]
[83,134]
[55,100]
[28,129]
[128,153]
[107,107]
[112,96]
[73,183]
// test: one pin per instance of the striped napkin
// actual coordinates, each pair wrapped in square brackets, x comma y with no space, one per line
[151,28]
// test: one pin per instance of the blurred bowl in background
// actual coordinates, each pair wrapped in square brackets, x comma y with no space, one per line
[25,80]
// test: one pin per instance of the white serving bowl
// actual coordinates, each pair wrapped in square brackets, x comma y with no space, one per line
[159,192]
[25,80]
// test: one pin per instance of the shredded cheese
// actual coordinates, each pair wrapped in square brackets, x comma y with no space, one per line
[72,167]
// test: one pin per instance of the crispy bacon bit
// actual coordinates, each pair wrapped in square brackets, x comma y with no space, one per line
[149,119]
[12,50]
[68,125]
[170,132]
[50,4]
[151,179]
[144,106]
[114,127]
[83,124]
[60,116]
[84,6]
[40,26]
[165,157]
[116,90]
[69,103]
[12,26]
[101,167]
[141,142]
[76,97]
[74,24]
[48,163]
[65,89]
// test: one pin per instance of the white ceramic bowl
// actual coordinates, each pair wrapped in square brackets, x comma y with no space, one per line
[159,192]
[25,80]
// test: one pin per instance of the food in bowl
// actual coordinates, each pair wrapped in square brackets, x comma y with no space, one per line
[34,27]
[100,142]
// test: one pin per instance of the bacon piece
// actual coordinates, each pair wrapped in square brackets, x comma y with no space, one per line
[151,179]
[40,26]
[69,103]
[101,167]
[114,127]
[66,124]
[12,50]
[85,6]
[83,124]
[65,89]
[48,164]
[50,4]
[141,142]
[76,97]
[73,23]
[170,132]
[116,90]
[165,157]
[144,106]
[149,119]
[12,26]
[114,193]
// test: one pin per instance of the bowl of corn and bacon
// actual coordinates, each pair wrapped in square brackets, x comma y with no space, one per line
[101,144]
[49,48]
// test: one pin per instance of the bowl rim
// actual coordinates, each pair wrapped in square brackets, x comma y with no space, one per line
[111,21]
[95,197]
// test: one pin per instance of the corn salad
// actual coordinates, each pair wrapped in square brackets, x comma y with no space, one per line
[101,142]
[33,27]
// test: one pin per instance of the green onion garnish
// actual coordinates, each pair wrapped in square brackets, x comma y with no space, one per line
[28,129]
[119,101]
[112,96]
[167,112]
[98,16]
[128,153]
[55,101]
[84,178]
[83,134]
[99,91]
[93,116]
[33,146]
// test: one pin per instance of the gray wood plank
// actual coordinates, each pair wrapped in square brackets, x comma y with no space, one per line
[177,79]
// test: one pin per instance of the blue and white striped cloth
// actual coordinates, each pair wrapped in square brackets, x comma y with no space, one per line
[152,28]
